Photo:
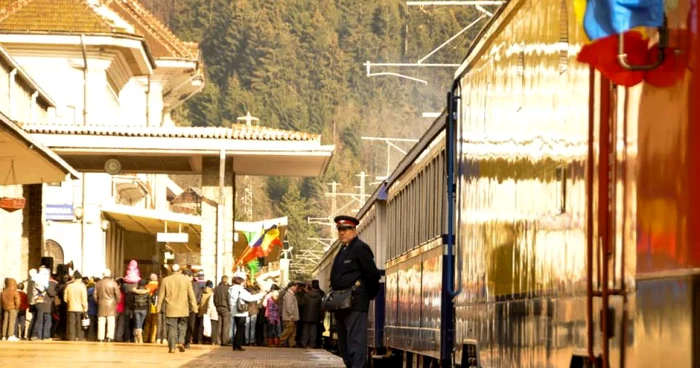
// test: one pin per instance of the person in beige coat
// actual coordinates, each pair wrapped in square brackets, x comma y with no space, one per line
[107,295]
[75,296]
[10,305]
[290,315]
[177,297]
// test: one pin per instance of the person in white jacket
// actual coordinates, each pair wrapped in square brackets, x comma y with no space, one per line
[239,310]
[213,316]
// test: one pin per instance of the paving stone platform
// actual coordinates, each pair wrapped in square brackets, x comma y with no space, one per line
[121,355]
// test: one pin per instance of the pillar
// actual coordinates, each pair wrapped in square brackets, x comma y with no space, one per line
[32,225]
[211,224]
[15,230]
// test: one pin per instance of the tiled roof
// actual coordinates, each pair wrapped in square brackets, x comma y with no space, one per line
[163,43]
[94,16]
[76,16]
[236,132]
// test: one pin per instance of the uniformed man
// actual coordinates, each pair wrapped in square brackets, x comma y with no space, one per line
[353,266]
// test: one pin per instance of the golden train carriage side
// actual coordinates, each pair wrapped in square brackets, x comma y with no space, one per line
[615,280]
[415,207]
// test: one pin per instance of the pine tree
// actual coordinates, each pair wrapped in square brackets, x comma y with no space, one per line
[203,109]
[297,210]
[298,65]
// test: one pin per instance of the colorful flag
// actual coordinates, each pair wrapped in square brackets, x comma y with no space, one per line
[604,18]
[270,238]
[249,254]
[607,21]
[602,55]
[264,241]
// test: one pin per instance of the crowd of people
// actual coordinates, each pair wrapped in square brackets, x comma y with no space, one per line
[67,306]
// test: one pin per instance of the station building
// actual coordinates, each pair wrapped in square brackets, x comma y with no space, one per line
[95,82]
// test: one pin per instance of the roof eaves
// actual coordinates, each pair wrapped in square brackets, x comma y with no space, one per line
[31,142]
[177,47]
[118,35]
[27,79]
[236,132]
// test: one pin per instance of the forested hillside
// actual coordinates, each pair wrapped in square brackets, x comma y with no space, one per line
[298,65]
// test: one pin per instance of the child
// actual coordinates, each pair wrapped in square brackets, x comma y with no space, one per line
[273,317]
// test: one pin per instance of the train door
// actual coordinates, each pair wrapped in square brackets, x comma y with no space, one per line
[611,199]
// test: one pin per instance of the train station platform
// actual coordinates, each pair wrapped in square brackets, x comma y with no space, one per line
[121,355]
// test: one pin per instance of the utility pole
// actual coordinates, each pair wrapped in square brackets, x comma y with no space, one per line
[248,198]
[478,4]
[354,198]
[389,145]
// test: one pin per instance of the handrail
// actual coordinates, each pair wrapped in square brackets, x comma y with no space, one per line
[663,42]
[450,193]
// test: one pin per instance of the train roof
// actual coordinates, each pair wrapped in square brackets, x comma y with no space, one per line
[413,154]
[380,193]
[500,17]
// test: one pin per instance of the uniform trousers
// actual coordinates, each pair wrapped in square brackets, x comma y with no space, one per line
[110,320]
[177,327]
[352,337]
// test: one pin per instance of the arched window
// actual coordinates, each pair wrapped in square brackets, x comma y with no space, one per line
[54,250]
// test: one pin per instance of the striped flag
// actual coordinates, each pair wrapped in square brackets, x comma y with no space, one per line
[606,21]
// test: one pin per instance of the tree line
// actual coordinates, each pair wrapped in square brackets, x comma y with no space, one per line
[297,65]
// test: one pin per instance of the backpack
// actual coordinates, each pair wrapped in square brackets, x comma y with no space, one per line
[241,305]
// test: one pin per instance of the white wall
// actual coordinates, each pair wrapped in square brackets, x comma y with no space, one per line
[13,255]
[60,74]
[62,78]
[141,102]
[16,100]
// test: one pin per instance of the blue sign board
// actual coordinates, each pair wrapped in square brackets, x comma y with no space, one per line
[59,212]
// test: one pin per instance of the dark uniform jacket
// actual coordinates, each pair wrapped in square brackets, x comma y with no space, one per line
[353,265]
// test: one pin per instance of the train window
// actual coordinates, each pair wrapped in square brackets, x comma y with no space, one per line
[470,354]
[389,231]
[421,207]
[561,175]
[563,37]
[520,72]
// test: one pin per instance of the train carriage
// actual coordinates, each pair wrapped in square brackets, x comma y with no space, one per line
[548,218]
[541,136]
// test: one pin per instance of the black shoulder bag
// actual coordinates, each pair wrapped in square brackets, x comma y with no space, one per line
[337,300]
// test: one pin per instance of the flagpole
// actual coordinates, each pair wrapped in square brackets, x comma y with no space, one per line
[242,257]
